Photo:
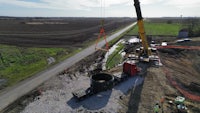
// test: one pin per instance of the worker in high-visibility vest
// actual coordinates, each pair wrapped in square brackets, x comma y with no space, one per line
[156,108]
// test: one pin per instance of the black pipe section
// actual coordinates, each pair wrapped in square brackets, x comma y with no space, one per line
[138,10]
[99,82]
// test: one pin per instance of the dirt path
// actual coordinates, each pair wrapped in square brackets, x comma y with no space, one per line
[26,86]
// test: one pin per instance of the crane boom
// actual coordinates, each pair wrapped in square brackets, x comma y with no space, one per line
[141,31]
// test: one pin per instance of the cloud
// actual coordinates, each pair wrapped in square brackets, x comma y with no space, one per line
[183,3]
[50,4]
[64,4]
[147,2]
[89,4]
[29,4]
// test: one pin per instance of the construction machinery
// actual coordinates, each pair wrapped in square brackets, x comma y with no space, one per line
[145,51]
[103,81]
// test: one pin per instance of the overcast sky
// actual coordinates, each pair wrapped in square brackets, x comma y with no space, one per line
[92,8]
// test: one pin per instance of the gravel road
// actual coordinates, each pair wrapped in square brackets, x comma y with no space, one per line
[13,93]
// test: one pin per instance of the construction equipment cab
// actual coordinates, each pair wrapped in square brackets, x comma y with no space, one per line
[145,52]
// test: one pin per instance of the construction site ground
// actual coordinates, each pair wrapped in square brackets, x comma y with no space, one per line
[180,64]
[136,95]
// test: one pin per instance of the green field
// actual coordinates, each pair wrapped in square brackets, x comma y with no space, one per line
[19,63]
[158,29]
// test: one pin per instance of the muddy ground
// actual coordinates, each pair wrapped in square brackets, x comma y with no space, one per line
[184,67]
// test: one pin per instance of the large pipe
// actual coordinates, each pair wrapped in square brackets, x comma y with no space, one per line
[101,82]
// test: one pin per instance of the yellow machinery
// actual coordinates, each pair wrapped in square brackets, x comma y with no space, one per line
[146,52]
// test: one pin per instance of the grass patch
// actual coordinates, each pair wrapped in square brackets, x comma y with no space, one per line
[18,63]
[115,58]
[158,29]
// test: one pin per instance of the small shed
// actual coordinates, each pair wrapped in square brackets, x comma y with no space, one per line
[183,33]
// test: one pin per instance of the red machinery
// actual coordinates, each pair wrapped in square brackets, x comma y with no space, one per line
[130,68]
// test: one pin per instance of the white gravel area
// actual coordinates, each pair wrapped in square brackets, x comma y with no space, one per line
[61,101]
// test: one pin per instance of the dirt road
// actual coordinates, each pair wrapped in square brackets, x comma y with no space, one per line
[13,93]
